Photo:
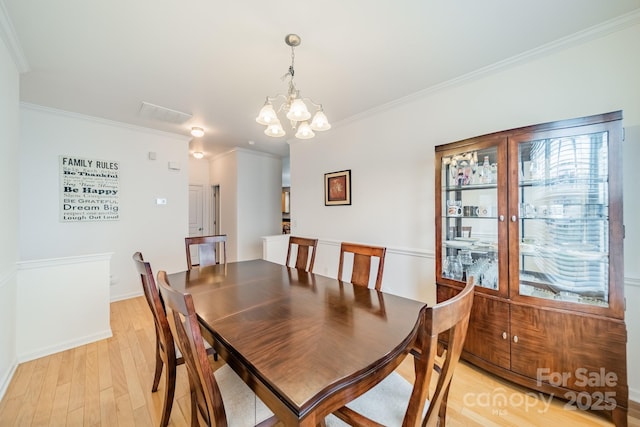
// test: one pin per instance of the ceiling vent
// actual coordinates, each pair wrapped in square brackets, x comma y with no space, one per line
[156,112]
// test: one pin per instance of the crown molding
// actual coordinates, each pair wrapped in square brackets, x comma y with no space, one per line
[107,122]
[10,38]
[597,31]
[245,151]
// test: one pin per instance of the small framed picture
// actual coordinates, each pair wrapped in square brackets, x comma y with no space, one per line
[337,188]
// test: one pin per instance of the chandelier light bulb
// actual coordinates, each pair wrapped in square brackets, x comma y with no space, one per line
[298,111]
[197,132]
[304,131]
[320,122]
[275,129]
[267,115]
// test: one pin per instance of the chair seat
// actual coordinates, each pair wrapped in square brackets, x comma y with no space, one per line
[386,403]
[207,347]
[242,406]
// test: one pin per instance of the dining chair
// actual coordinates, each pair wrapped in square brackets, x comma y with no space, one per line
[362,255]
[451,318]
[207,247]
[221,397]
[304,246]
[165,348]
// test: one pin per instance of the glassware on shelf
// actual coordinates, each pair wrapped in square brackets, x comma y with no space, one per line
[483,272]
[452,267]
[465,258]
[486,171]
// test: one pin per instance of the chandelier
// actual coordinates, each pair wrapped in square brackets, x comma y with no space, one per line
[293,106]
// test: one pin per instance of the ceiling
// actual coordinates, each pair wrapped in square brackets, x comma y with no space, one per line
[218,60]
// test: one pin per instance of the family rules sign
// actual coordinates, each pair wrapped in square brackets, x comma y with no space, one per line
[89,189]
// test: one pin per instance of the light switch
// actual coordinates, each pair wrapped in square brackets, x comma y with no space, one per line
[161,201]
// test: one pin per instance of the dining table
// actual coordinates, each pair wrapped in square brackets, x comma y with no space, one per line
[306,344]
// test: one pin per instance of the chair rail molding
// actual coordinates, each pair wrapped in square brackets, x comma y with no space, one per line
[632,281]
[408,272]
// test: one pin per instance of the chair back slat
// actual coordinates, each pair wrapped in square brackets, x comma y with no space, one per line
[362,255]
[305,246]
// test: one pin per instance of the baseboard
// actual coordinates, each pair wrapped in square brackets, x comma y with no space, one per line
[126,296]
[6,380]
[634,409]
[64,346]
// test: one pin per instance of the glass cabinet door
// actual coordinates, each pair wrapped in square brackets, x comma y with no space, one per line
[563,223]
[469,212]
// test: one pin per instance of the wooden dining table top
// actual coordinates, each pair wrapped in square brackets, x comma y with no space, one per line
[305,343]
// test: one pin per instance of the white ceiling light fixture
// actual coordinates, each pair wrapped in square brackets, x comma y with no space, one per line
[293,105]
[197,132]
[198,154]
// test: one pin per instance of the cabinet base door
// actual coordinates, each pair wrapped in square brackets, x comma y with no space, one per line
[584,354]
[488,333]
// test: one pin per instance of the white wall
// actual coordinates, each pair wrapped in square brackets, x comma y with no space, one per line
[259,201]
[250,196]
[157,231]
[9,147]
[390,151]
[224,173]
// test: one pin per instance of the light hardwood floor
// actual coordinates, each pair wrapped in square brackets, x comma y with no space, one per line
[108,383]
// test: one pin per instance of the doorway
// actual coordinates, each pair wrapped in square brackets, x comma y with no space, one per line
[215,209]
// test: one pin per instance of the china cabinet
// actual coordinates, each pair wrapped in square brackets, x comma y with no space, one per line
[533,217]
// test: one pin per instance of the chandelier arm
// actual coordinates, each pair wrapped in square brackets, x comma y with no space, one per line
[315,104]
[275,97]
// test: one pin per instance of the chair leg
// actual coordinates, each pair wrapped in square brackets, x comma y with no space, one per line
[194,405]
[442,413]
[169,392]
[156,376]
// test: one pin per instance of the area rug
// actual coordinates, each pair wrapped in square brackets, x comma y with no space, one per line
[241,405]
[386,403]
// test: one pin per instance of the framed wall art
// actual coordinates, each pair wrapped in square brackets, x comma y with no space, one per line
[337,188]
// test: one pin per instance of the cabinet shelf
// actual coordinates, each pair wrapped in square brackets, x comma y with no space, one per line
[574,255]
[468,187]
[551,182]
[469,217]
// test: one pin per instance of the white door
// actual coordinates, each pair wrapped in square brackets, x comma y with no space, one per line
[196,217]
[196,210]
